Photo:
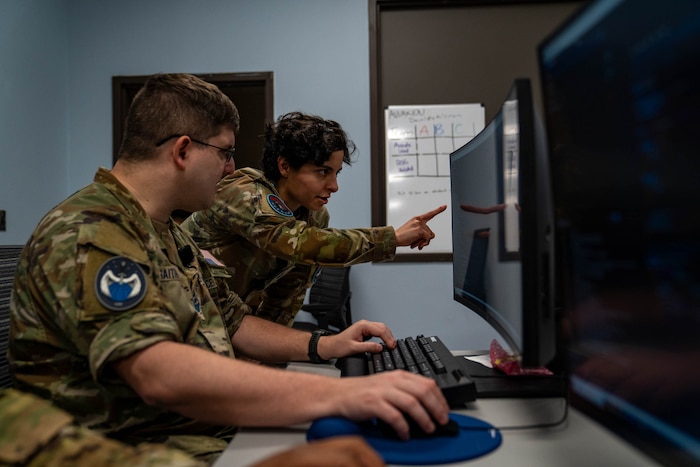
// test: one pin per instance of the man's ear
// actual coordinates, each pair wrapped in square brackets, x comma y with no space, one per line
[181,151]
[283,166]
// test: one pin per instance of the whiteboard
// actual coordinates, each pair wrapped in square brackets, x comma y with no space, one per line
[419,140]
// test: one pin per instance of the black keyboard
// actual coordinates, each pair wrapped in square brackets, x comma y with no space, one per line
[426,356]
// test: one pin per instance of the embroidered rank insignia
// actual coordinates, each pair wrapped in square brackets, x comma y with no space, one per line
[278,205]
[120,284]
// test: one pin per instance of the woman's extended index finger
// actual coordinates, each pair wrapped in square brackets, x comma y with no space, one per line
[430,214]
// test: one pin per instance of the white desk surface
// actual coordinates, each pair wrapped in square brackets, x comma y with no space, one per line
[576,442]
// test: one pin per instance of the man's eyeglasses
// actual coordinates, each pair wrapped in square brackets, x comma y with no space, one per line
[228,152]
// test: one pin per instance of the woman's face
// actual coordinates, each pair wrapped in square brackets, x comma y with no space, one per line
[311,186]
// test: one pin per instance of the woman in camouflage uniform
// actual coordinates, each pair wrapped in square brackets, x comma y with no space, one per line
[270,227]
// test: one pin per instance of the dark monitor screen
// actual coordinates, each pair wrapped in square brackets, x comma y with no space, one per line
[501,224]
[621,87]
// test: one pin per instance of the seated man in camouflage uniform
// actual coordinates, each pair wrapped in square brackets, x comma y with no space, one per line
[117,318]
[270,227]
[33,433]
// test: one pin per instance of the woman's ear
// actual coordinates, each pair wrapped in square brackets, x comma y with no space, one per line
[283,166]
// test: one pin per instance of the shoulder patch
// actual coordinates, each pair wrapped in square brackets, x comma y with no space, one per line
[278,205]
[120,284]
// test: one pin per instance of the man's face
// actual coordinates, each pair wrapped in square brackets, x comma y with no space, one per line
[211,166]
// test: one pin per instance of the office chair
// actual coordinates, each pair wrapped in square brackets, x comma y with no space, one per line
[329,301]
[474,280]
[9,256]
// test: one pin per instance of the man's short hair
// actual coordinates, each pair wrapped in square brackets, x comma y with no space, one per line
[173,105]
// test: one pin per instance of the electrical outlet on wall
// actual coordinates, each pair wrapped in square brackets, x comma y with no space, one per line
[2,220]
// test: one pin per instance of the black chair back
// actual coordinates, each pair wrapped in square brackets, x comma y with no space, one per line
[9,256]
[329,300]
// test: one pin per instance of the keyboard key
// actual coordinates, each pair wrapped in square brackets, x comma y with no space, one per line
[424,356]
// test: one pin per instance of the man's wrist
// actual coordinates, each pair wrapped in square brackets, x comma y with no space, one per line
[313,346]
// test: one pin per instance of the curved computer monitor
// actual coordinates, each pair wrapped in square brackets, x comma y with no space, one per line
[501,228]
[622,105]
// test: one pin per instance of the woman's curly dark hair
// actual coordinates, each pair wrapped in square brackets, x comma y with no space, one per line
[302,138]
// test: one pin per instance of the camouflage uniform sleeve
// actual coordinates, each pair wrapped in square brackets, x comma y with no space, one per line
[121,333]
[34,433]
[62,274]
[283,295]
[244,208]
[232,307]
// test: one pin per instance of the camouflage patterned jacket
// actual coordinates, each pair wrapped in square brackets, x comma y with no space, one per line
[33,433]
[271,253]
[97,282]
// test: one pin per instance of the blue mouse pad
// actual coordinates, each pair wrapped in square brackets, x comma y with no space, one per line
[475,439]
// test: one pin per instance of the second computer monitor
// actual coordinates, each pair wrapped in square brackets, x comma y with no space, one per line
[501,228]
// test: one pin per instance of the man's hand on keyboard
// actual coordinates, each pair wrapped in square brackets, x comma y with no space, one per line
[353,340]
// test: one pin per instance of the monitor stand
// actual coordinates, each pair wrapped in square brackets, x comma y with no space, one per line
[493,383]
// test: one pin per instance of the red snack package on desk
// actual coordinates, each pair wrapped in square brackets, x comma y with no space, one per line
[510,364]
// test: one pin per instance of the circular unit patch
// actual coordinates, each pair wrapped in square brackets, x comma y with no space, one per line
[120,284]
[278,205]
